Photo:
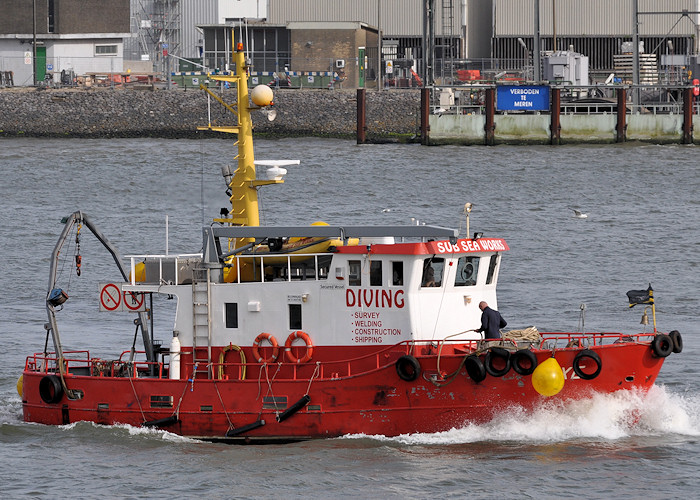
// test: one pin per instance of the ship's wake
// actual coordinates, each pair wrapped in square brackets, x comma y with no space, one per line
[602,417]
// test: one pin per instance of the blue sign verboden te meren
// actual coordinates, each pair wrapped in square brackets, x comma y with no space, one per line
[522,98]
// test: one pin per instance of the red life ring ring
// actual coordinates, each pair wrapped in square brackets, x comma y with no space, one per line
[309,347]
[256,348]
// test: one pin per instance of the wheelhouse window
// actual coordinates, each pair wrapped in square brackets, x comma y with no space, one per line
[354,273]
[231,314]
[375,273]
[493,264]
[432,272]
[295,316]
[397,273]
[467,269]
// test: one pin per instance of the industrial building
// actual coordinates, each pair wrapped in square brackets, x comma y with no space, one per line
[42,40]
[488,36]
[441,41]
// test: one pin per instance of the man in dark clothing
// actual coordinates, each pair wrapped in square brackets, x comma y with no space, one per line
[491,322]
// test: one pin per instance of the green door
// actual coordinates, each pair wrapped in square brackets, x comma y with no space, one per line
[40,64]
[361,60]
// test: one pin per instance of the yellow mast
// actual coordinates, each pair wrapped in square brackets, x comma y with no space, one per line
[244,185]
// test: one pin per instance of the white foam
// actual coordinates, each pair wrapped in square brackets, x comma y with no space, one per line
[603,416]
[134,431]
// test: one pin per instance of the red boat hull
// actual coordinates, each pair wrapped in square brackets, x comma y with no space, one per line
[376,401]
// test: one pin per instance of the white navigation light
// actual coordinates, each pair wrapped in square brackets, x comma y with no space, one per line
[261,95]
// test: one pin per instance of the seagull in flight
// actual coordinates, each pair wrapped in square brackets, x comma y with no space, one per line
[579,215]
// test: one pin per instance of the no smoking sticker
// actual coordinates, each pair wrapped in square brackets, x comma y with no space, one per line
[112,299]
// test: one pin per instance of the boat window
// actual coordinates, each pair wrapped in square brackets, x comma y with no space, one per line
[375,273]
[397,273]
[432,272]
[324,264]
[492,269]
[467,269]
[231,313]
[354,273]
[295,316]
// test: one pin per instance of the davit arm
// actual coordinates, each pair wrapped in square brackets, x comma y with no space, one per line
[70,221]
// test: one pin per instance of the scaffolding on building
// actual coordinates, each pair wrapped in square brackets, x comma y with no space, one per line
[444,46]
[157,25]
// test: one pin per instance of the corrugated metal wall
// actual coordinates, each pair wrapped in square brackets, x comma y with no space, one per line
[400,18]
[193,13]
[593,17]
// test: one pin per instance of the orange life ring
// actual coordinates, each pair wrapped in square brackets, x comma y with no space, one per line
[309,347]
[256,347]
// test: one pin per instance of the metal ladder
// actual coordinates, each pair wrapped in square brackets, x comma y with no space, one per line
[201,328]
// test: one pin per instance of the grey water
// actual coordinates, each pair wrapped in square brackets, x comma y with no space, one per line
[643,226]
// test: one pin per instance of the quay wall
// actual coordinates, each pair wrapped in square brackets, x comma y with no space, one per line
[536,129]
[177,113]
[392,115]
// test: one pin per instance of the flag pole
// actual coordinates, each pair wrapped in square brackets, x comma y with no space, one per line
[653,306]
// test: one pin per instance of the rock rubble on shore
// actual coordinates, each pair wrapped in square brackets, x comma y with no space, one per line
[177,113]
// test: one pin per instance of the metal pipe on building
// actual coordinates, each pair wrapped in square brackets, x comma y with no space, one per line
[464,47]
[34,41]
[379,44]
[428,42]
[537,62]
[554,25]
[635,41]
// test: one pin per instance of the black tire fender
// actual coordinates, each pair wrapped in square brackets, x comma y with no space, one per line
[475,368]
[523,361]
[407,368]
[493,354]
[662,345]
[50,389]
[587,355]
[677,341]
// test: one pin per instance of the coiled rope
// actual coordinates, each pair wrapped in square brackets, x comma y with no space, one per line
[530,334]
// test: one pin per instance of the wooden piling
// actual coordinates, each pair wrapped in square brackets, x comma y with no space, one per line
[361,117]
[688,99]
[425,116]
[621,127]
[490,126]
[555,111]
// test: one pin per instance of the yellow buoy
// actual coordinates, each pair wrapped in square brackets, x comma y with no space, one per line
[261,95]
[20,383]
[548,378]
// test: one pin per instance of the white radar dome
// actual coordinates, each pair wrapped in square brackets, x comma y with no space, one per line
[261,95]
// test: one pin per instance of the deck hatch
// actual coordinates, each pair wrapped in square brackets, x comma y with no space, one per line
[206,408]
[103,406]
[161,401]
